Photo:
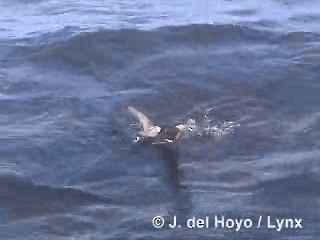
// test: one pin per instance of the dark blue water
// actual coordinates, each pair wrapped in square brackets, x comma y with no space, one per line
[243,75]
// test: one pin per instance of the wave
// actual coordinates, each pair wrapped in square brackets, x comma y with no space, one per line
[106,51]
[117,48]
[24,199]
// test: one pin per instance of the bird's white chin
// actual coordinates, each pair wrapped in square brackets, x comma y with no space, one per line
[181,127]
[157,129]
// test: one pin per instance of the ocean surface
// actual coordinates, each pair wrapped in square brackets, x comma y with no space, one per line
[243,75]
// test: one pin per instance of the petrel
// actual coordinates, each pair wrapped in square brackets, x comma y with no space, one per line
[157,134]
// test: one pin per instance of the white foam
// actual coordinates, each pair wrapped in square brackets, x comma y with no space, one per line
[209,126]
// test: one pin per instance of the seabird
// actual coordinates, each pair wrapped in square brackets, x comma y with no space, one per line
[157,134]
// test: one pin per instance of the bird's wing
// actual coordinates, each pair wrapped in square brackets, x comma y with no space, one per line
[144,120]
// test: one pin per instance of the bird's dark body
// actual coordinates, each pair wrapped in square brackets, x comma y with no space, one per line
[167,134]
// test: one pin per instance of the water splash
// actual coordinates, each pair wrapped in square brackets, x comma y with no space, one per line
[134,129]
[209,126]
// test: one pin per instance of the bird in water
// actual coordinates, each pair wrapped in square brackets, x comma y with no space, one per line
[157,134]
